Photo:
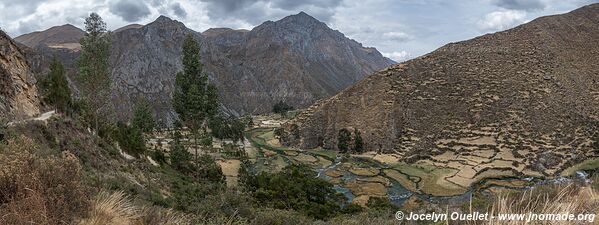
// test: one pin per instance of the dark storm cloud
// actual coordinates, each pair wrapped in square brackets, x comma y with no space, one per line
[526,5]
[129,10]
[258,10]
[178,10]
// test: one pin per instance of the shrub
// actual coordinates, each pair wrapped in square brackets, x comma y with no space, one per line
[280,217]
[281,107]
[227,128]
[143,118]
[36,189]
[179,157]
[295,187]
[118,209]
[130,139]
[208,170]
[3,128]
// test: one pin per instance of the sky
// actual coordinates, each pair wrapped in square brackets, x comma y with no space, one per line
[400,29]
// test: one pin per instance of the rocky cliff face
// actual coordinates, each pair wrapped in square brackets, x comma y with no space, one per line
[297,59]
[527,96]
[18,93]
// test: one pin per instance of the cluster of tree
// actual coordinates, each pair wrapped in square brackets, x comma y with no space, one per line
[130,139]
[281,108]
[296,187]
[55,88]
[203,169]
[347,143]
[231,128]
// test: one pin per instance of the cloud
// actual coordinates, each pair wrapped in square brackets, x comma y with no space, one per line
[295,4]
[526,5]
[399,56]
[397,36]
[256,11]
[129,10]
[178,10]
[502,20]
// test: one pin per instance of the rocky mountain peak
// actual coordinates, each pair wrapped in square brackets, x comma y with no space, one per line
[301,22]
[301,17]
[164,20]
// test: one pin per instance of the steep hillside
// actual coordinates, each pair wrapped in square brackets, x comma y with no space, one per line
[522,101]
[297,59]
[18,93]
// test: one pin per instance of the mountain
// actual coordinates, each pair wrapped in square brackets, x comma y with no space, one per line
[18,93]
[525,100]
[297,59]
[54,36]
[60,41]
[130,26]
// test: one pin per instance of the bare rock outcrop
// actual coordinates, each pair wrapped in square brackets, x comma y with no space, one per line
[18,93]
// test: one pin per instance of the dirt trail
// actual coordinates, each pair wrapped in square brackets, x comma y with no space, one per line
[43,117]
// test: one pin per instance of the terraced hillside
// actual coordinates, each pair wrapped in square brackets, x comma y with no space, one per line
[521,102]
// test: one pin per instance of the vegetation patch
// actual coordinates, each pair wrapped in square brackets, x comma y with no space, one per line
[589,164]
[432,179]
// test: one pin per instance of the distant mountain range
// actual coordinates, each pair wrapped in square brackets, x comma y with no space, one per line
[297,59]
[523,101]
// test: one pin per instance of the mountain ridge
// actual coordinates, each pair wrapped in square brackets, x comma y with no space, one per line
[528,94]
[294,59]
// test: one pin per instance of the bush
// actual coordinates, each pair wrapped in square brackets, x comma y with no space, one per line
[143,118]
[3,128]
[117,208]
[130,139]
[280,217]
[227,128]
[180,158]
[281,107]
[189,195]
[208,170]
[297,188]
[36,189]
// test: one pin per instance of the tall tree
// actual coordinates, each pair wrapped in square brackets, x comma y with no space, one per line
[358,142]
[194,98]
[143,118]
[343,140]
[93,64]
[56,87]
